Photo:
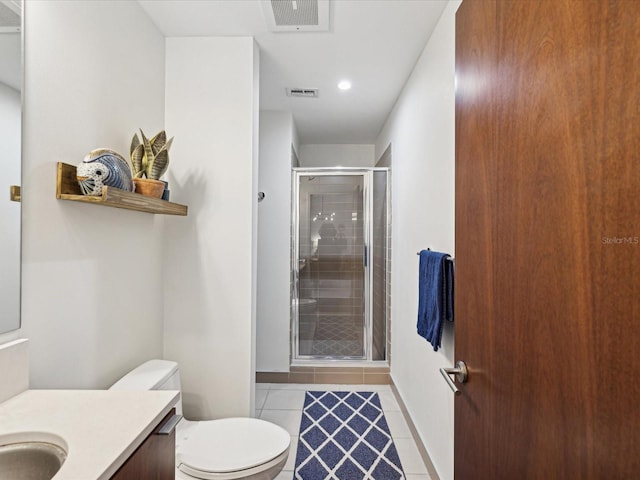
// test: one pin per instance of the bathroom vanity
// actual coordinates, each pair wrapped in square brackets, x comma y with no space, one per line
[155,457]
[106,434]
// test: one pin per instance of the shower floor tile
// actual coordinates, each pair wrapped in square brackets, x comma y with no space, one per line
[337,348]
[338,328]
[332,335]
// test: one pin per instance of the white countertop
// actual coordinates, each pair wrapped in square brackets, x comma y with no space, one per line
[100,428]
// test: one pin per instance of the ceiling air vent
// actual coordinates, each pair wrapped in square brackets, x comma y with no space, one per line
[296,15]
[302,92]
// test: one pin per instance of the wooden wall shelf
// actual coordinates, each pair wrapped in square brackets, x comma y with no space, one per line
[67,188]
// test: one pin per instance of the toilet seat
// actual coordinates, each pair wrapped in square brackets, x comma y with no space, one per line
[232,448]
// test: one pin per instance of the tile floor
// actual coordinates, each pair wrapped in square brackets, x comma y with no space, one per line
[281,403]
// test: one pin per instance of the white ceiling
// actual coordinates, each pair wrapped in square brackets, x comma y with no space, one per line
[373,43]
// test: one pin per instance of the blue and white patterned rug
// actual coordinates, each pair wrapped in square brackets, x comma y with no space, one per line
[344,436]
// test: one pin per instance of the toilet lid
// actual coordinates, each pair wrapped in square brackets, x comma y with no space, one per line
[232,444]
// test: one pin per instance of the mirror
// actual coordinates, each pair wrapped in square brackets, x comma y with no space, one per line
[10,161]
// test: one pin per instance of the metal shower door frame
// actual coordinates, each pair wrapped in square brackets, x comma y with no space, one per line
[367,175]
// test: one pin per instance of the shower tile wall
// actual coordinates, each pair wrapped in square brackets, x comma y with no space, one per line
[380,278]
[386,161]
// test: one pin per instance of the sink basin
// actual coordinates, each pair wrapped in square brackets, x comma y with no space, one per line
[30,460]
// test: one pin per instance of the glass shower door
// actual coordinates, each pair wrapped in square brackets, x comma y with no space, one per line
[330,290]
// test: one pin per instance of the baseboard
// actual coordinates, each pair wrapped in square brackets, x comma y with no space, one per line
[433,474]
[333,375]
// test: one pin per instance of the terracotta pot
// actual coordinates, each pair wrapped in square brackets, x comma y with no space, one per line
[148,187]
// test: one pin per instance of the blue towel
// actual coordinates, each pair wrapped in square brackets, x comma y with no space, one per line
[435,295]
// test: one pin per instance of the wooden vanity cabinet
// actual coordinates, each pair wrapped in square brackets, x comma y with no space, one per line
[155,459]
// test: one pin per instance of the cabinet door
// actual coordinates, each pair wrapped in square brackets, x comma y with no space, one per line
[155,459]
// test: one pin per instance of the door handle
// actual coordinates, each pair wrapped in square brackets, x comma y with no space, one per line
[461,373]
[170,425]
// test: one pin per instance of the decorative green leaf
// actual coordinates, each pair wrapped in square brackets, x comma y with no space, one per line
[135,141]
[136,160]
[148,153]
[158,141]
[159,165]
[168,145]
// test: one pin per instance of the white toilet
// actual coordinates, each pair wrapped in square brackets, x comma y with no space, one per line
[225,449]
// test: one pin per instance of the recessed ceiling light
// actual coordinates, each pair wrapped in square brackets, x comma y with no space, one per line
[344,85]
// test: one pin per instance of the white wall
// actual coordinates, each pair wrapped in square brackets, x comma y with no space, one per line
[421,131]
[210,256]
[11,60]
[92,276]
[337,155]
[14,368]
[10,158]
[274,242]
[295,140]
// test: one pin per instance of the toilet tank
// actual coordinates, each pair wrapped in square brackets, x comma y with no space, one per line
[152,375]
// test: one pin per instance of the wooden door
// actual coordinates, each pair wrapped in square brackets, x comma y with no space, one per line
[548,239]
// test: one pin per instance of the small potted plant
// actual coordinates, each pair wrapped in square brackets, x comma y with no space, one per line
[149,161]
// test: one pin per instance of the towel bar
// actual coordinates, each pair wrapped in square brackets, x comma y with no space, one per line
[451,259]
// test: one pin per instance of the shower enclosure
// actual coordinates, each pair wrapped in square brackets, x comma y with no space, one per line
[340,271]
